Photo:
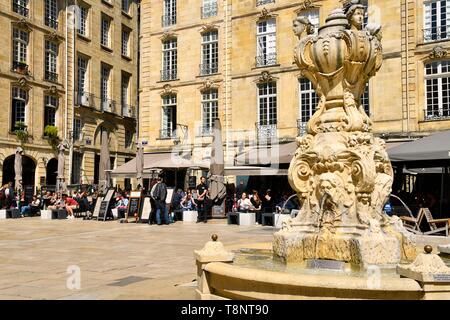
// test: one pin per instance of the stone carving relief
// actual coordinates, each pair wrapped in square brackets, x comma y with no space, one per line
[341,172]
[438,52]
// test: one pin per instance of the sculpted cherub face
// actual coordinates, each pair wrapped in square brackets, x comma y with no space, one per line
[357,18]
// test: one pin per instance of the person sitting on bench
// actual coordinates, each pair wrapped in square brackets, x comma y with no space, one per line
[70,205]
[188,203]
[32,207]
[244,204]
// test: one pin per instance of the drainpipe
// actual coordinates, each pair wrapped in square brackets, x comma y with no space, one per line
[138,75]
[67,133]
[227,142]
[407,68]
[67,81]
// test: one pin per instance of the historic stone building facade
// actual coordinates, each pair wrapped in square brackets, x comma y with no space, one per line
[70,65]
[234,60]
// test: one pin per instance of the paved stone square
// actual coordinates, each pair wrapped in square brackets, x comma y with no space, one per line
[116,261]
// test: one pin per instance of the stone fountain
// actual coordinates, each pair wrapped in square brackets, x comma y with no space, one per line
[343,178]
[341,172]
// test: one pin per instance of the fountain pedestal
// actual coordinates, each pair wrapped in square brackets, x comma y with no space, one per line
[341,172]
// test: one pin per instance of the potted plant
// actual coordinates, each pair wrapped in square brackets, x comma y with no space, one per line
[51,133]
[22,67]
[21,132]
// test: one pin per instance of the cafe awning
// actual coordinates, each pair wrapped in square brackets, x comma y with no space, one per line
[267,155]
[156,162]
[435,147]
[254,171]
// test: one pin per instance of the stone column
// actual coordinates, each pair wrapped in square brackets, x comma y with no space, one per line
[432,274]
[213,251]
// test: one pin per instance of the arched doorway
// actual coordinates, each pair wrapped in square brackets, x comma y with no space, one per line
[52,172]
[28,171]
[8,170]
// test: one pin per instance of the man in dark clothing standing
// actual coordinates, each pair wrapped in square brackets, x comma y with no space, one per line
[202,191]
[9,193]
[159,194]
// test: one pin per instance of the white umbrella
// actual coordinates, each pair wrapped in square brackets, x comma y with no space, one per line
[140,164]
[18,168]
[217,168]
[104,163]
[61,161]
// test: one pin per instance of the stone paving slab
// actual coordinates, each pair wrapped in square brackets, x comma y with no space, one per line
[150,262]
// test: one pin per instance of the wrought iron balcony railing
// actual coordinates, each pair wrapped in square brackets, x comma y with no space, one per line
[262,2]
[51,76]
[302,127]
[52,23]
[169,74]
[264,60]
[167,133]
[209,68]
[21,67]
[437,114]
[209,11]
[168,20]
[128,111]
[84,99]
[436,34]
[108,105]
[266,131]
[20,9]
[205,131]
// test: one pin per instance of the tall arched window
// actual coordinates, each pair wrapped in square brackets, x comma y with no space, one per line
[210,53]
[266,43]
[308,101]
[210,110]
[169,59]
[267,110]
[168,116]
[437,78]
[19,105]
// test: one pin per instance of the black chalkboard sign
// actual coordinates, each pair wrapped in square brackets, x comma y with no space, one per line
[134,204]
[105,206]
[29,192]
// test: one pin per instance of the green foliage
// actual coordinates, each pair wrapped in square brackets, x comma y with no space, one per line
[51,132]
[21,132]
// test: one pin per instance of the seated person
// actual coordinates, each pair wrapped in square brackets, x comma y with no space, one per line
[32,207]
[257,207]
[46,199]
[55,202]
[83,202]
[244,204]
[188,203]
[70,204]
[121,206]
[177,198]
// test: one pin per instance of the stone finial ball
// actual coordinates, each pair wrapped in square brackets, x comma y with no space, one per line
[214,237]
[428,249]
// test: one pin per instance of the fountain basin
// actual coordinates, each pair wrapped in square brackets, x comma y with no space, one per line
[234,282]
[254,274]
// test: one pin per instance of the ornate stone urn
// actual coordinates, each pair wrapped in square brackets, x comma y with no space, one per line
[341,172]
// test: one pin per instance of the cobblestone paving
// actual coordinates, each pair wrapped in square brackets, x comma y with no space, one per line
[116,261]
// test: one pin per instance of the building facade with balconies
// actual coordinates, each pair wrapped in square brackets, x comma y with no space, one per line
[70,65]
[248,79]
[105,86]
[32,87]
